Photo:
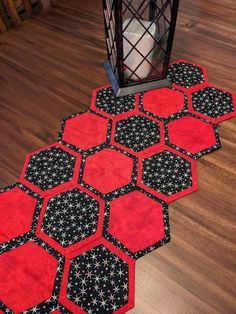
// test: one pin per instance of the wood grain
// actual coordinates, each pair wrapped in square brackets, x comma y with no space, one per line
[13,12]
[48,67]
[3,15]
[3,27]
[28,7]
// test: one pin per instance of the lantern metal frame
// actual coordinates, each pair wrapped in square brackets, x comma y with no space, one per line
[113,20]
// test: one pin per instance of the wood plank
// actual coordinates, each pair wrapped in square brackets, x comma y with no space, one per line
[13,12]
[3,15]
[45,4]
[3,27]
[28,7]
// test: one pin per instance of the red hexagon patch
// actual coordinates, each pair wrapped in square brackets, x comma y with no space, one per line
[163,102]
[84,131]
[108,170]
[193,136]
[27,276]
[145,226]
[16,213]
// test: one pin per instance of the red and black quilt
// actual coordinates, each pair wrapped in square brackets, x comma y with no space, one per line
[86,207]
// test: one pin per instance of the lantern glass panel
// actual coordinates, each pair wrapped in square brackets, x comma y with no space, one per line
[139,36]
[146,26]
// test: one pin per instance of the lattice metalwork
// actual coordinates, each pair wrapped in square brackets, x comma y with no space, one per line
[139,36]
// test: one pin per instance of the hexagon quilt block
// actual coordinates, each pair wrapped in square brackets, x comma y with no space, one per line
[85,131]
[106,103]
[107,171]
[18,205]
[71,219]
[137,223]
[186,75]
[27,276]
[168,174]
[213,103]
[164,102]
[80,217]
[99,279]
[192,135]
[137,133]
[48,169]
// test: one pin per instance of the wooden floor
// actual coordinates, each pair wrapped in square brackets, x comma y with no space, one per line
[48,67]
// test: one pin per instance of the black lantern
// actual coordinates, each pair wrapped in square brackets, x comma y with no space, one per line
[139,36]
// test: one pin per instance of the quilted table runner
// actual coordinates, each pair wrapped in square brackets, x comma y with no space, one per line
[86,207]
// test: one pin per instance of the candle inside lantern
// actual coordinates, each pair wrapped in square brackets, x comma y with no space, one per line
[136,32]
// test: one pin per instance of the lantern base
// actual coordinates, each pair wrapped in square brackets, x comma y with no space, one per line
[132,89]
